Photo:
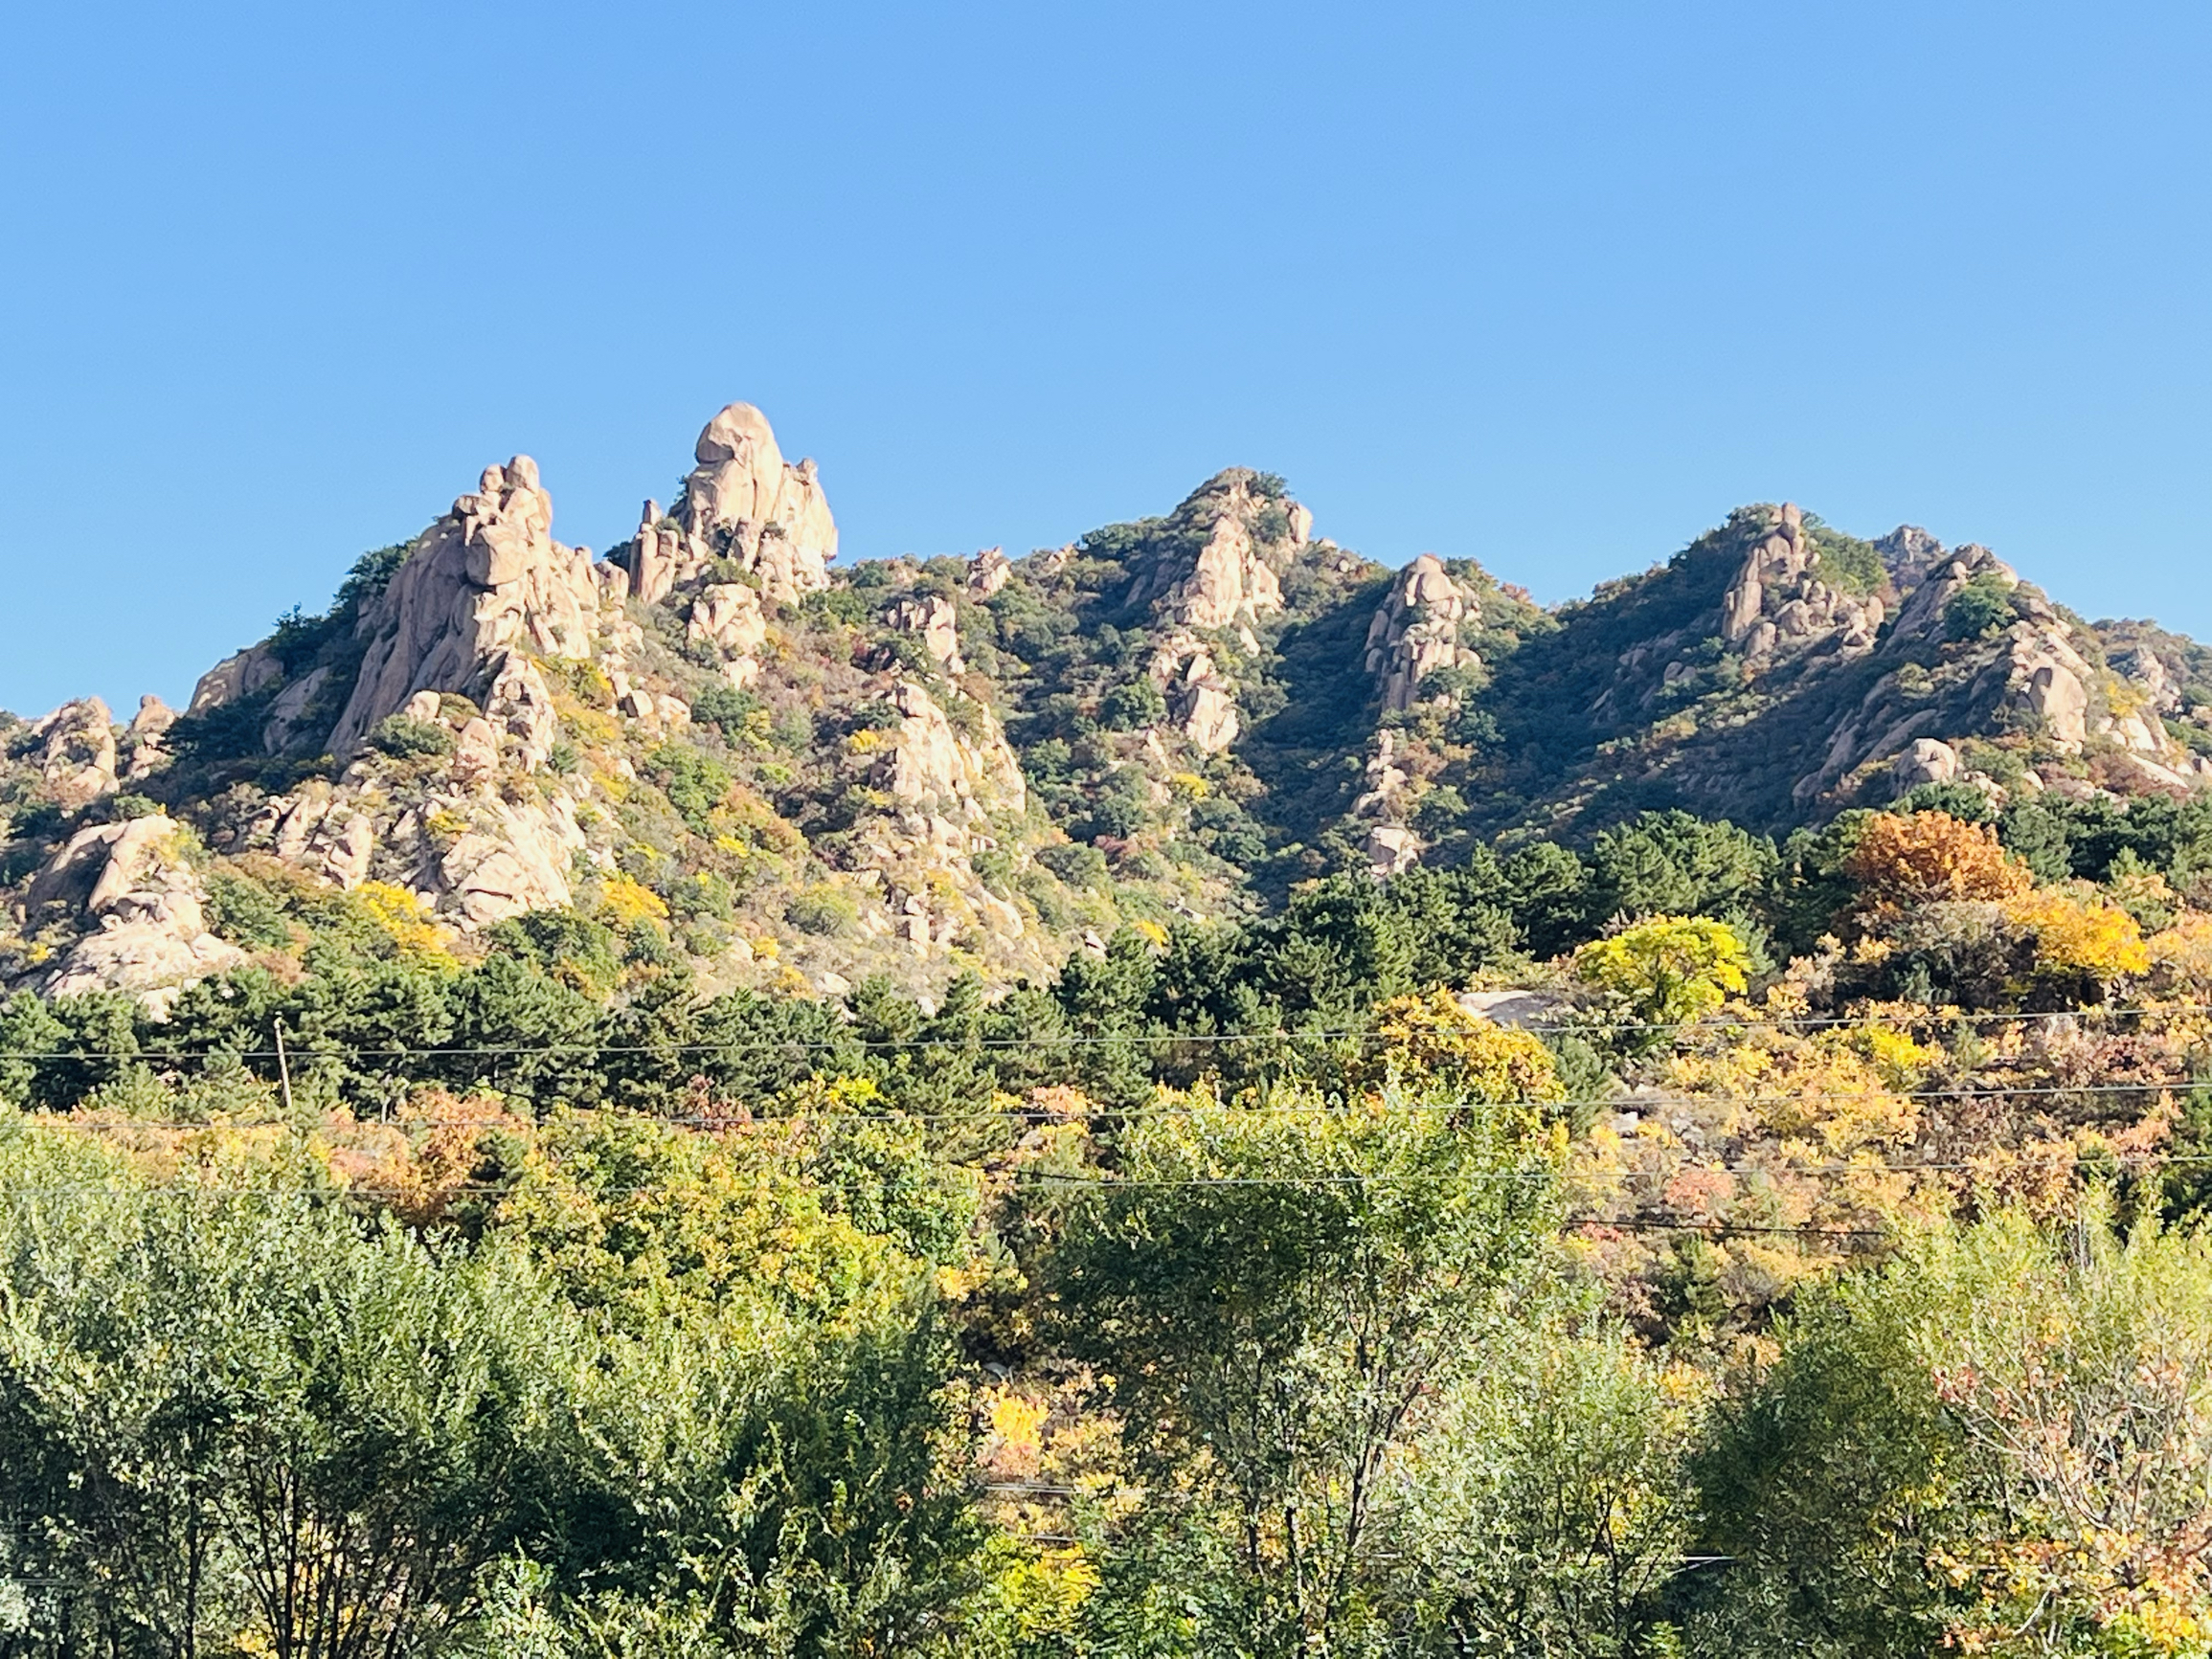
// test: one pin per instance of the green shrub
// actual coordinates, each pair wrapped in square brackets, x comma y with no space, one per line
[1134,705]
[406,739]
[240,910]
[1078,866]
[822,911]
[725,707]
[1846,561]
[1982,608]
[693,783]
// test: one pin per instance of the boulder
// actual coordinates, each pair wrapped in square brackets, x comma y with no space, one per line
[1393,849]
[988,571]
[153,718]
[1208,715]
[2048,679]
[293,710]
[744,499]
[727,615]
[1926,761]
[930,766]
[238,675]
[513,859]
[521,704]
[148,728]
[475,753]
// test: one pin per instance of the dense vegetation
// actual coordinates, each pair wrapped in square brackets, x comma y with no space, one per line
[942,1131]
[1821,1273]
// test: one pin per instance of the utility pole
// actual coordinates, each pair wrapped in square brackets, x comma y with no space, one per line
[283,1069]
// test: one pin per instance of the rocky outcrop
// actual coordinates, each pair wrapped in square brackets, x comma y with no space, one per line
[239,675]
[928,765]
[486,579]
[512,859]
[1416,631]
[743,500]
[1228,583]
[1201,698]
[130,884]
[313,830]
[147,734]
[1390,846]
[1908,553]
[520,704]
[2049,680]
[1777,602]
[932,618]
[727,615]
[1221,576]
[73,752]
[1922,616]
[988,571]
[1392,850]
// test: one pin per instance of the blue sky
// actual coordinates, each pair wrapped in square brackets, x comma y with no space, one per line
[1552,286]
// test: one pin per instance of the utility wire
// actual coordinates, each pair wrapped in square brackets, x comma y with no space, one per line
[306,1046]
[1640,1104]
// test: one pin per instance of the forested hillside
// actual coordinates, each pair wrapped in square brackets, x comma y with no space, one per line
[1186,1094]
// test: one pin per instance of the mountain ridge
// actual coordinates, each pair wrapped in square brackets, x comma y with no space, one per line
[799,775]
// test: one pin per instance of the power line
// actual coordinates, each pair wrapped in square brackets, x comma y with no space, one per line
[1619,1103]
[1048,1038]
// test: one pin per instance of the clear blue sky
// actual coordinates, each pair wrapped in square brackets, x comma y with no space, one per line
[1550,286]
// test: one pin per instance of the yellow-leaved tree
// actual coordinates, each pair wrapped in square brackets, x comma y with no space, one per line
[1668,969]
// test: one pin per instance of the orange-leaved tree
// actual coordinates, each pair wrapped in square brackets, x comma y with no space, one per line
[1928,857]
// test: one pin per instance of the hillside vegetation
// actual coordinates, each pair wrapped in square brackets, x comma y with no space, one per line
[1186,1094]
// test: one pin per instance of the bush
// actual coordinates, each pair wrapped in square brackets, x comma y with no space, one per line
[1928,857]
[1846,561]
[693,783]
[1078,866]
[1136,704]
[822,911]
[1669,969]
[405,739]
[240,910]
[1979,608]
[725,707]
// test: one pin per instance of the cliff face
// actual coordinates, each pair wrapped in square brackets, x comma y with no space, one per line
[722,753]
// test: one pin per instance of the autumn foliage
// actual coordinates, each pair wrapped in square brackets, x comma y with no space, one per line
[1931,857]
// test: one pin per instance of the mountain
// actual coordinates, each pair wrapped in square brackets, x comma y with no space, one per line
[726,755]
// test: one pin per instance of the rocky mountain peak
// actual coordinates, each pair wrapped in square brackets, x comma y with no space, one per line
[1785,598]
[731,759]
[486,578]
[743,500]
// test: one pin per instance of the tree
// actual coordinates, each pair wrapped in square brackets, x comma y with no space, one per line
[1667,970]
[1931,857]
[2002,1443]
[2081,945]
[1674,864]
[229,1413]
[1547,1513]
[1432,1043]
[1283,1293]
